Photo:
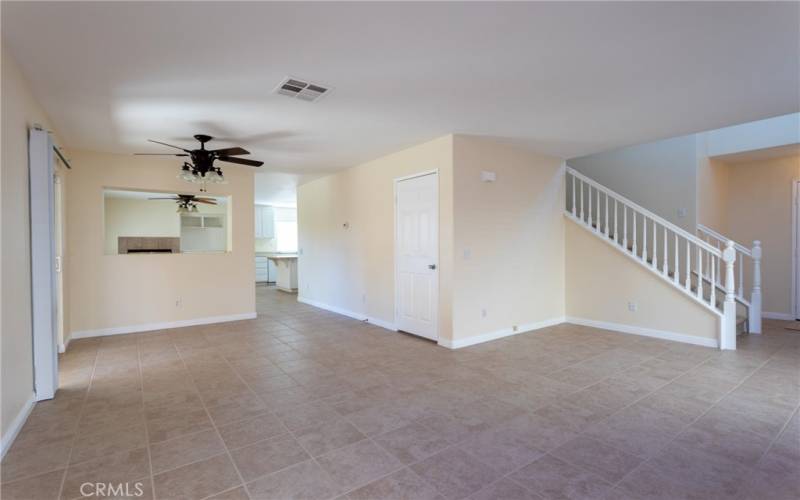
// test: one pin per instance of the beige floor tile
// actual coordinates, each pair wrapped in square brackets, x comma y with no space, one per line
[328,436]
[238,493]
[266,457]
[505,489]
[185,449]
[412,443]
[455,473]
[303,481]
[358,464]
[42,487]
[247,432]
[197,480]
[401,485]
[126,468]
[553,478]
[585,452]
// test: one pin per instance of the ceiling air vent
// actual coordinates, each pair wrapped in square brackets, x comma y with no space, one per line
[294,87]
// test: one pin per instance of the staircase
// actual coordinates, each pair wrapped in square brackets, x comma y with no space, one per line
[703,271]
[746,258]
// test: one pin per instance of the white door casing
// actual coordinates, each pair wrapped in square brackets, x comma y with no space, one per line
[417,254]
[796,249]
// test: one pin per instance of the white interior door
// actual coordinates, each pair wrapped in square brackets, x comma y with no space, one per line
[417,255]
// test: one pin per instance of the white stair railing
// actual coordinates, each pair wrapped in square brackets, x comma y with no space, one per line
[672,253]
[747,259]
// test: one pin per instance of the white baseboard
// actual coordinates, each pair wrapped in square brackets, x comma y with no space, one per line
[147,327]
[498,334]
[16,425]
[62,348]
[776,315]
[350,314]
[646,332]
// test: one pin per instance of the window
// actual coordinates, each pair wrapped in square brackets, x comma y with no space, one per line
[286,229]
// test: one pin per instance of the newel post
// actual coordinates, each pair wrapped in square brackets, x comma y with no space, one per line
[755,294]
[727,338]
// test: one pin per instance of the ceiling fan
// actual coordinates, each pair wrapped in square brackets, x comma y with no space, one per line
[201,170]
[187,202]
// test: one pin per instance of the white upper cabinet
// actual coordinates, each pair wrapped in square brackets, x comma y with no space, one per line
[265,222]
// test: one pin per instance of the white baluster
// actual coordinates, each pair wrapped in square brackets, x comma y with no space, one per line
[589,188]
[755,294]
[625,227]
[616,222]
[719,270]
[665,257]
[728,329]
[574,181]
[582,213]
[688,266]
[699,272]
[654,263]
[740,283]
[644,238]
[597,217]
[713,268]
[606,215]
[677,271]
[633,213]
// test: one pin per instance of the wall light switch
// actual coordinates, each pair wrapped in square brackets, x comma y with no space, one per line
[467,254]
[683,212]
[487,176]
[632,306]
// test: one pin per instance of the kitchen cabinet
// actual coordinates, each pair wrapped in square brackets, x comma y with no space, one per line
[266,271]
[264,222]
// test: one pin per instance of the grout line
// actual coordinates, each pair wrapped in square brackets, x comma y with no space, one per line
[144,417]
[672,440]
[80,417]
[213,424]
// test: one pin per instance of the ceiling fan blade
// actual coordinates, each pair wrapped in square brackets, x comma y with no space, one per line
[163,199]
[160,154]
[242,161]
[170,145]
[207,202]
[231,151]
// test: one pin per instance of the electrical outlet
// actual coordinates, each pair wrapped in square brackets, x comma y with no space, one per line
[467,253]
[683,212]
[364,297]
[483,313]
[514,328]
[178,302]
[632,306]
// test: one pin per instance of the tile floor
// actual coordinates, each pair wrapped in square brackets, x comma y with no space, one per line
[302,403]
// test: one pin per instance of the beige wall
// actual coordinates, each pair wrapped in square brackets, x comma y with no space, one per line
[20,110]
[760,208]
[712,194]
[660,176]
[600,281]
[353,269]
[113,291]
[512,231]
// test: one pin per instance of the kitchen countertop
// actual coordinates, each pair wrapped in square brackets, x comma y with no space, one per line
[277,255]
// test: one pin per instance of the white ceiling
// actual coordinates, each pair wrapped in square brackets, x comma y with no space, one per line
[566,79]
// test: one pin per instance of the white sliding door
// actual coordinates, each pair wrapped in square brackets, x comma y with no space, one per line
[45,355]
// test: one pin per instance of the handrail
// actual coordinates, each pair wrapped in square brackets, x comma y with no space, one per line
[723,239]
[650,215]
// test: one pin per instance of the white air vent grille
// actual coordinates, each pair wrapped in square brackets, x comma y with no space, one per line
[306,91]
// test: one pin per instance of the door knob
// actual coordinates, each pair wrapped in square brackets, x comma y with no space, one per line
[431,266]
